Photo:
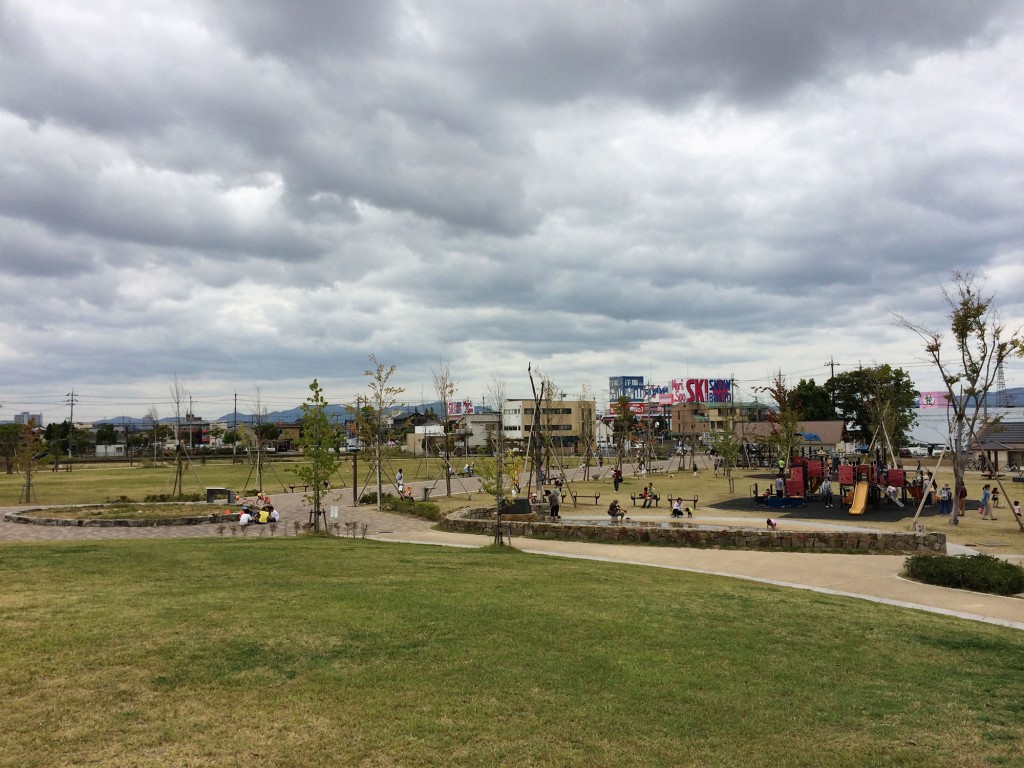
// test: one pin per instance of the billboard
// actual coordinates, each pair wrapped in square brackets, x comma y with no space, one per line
[459,409]
[932,399]
[676,391]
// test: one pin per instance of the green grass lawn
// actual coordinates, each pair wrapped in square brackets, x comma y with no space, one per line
[331,652]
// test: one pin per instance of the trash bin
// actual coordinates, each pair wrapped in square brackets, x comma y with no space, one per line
[426,493]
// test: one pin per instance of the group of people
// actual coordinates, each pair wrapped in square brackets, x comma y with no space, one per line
[258,515]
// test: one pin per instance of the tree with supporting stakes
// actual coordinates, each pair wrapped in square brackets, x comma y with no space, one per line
[318,437]
[375,413]
[444,385]
[981,344]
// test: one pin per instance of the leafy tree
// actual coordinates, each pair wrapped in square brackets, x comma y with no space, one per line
[495,475]
[57,435]
[727,447]
[267,432]
[981,344]
[10,439]
[318,437]
[106,434]
[869,399]
[813,401]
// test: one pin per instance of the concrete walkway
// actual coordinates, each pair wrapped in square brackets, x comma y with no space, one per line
[869,577]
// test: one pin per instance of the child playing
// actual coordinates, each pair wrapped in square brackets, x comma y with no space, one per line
[772,525]
[1016,514]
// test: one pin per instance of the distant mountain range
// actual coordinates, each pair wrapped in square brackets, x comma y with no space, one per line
[290,416]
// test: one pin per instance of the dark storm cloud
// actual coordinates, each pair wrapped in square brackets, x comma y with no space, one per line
[269,192]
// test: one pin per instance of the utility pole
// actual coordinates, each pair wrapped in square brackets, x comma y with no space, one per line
[71,400]
[832,390]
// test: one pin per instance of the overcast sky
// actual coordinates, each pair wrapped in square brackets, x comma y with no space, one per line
[251,194]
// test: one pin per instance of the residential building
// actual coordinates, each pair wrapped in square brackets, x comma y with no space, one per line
[1001,444]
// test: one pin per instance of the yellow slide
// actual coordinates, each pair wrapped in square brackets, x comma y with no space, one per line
[860,498]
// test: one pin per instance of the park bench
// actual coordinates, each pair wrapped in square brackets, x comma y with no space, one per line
[576,496]
[655,498]
[293,486]
[213,493]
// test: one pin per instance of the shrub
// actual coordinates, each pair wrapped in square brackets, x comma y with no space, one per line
[162,497]
[424,509]
[978,573]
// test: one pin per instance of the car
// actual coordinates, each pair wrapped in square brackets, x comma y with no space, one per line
[918,451]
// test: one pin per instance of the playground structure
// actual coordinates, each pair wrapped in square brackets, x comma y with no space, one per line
[858,485]
[861,484]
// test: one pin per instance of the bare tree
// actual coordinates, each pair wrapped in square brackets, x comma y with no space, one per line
[154,419]
[179,394]
[981,343]
[375,417]
[445,388]
[587,419]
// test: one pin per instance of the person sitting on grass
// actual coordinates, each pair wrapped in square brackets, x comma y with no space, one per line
[772,525]
[616,512]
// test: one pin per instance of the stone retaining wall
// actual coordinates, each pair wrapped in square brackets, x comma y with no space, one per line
[217,517]
[689,535]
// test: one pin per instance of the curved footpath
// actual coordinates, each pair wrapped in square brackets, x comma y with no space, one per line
[869,577]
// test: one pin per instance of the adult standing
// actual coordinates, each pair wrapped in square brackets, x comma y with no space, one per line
[555,500]
[780,486]
[945,500]
[617,478]
[961,500]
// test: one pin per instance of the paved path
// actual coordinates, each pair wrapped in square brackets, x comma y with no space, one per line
[870,577]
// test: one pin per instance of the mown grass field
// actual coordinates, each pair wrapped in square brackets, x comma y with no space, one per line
[94,483]
[325,652]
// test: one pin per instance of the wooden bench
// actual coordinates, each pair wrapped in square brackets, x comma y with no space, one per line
[655,498]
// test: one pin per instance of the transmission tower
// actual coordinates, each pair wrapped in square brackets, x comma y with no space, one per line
[1001,399]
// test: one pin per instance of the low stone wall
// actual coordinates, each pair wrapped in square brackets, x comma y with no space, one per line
[22,517]
[679,534]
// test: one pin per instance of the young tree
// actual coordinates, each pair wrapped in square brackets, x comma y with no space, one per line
[981,344]
[374,418]
[318,435]
[728,449]
[179,394]
[444,385]
[785,420]
[501,482]
[587,417]
[623,425]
